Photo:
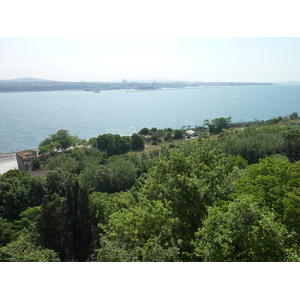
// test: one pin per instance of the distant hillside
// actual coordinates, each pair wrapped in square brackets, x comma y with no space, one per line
[26,79]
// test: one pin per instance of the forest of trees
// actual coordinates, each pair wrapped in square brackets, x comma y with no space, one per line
[232,195]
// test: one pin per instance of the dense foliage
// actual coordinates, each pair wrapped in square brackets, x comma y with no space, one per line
[217,125]
[230,195]
[254,143]
[114,144]
[59,140]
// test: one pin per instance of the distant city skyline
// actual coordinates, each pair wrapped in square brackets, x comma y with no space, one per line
[182,59]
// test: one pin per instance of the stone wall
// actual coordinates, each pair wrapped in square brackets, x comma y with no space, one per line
[243,124]
[24,159]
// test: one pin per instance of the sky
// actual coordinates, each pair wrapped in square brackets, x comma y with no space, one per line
[242,59]
[231,40]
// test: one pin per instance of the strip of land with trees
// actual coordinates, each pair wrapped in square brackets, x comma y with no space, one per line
[35,85]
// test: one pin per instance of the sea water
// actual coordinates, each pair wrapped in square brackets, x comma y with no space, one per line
[27,118]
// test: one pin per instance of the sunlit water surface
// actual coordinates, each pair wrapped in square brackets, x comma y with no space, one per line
[27,118]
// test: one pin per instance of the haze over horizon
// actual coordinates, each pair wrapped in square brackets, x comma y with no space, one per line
[184,59]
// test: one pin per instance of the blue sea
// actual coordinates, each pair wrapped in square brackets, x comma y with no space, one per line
[27,118]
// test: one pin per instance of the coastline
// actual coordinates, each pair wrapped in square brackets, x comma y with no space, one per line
[8,161]
[7,154]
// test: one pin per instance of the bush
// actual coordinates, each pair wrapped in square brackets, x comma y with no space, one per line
[293,116]
[144,131]
[178,134]
[36,163]
[137,142]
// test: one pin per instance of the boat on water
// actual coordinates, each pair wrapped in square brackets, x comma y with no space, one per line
[97,91]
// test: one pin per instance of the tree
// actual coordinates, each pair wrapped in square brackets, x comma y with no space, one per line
[253,144]
[217,125]
[51,225]
[18,191]
[28,218]
[178,134]
[23,250]
[63,161]
[92,141]
[189,179]
[153,129]
[6,232]
[242,231]
[269,182]
[117,175]
[140,233]
[64,138]
[57,180]
[137,142]
[36,163]
[51,148]
[293,116]
[45,142]
[155,138]
[168,136]
[106,204]
[113,144]
[275,185]
[144,131]
[60,139]
[65,224]
[292,143]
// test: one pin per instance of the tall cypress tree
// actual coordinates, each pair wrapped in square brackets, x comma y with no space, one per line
[80,221]
[66,224]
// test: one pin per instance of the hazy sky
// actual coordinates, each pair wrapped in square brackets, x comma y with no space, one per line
[248,47]
[111,59]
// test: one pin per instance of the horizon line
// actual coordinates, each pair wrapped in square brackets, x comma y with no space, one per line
[33,79]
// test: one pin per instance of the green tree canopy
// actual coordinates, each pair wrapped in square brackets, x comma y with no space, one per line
[64,138]
[23,250]
[118,174]
[178,134]
[242,231]
[293,116]
[140,233]
[253,144]
[274,184]
[144,131]
[217,125]
[6,232]
[137,142]
[113,144]
[18,191]
[65,224]
[60,139]
[188,180]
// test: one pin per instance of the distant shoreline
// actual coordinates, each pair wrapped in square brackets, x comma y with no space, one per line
[48,86]
[2,155]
